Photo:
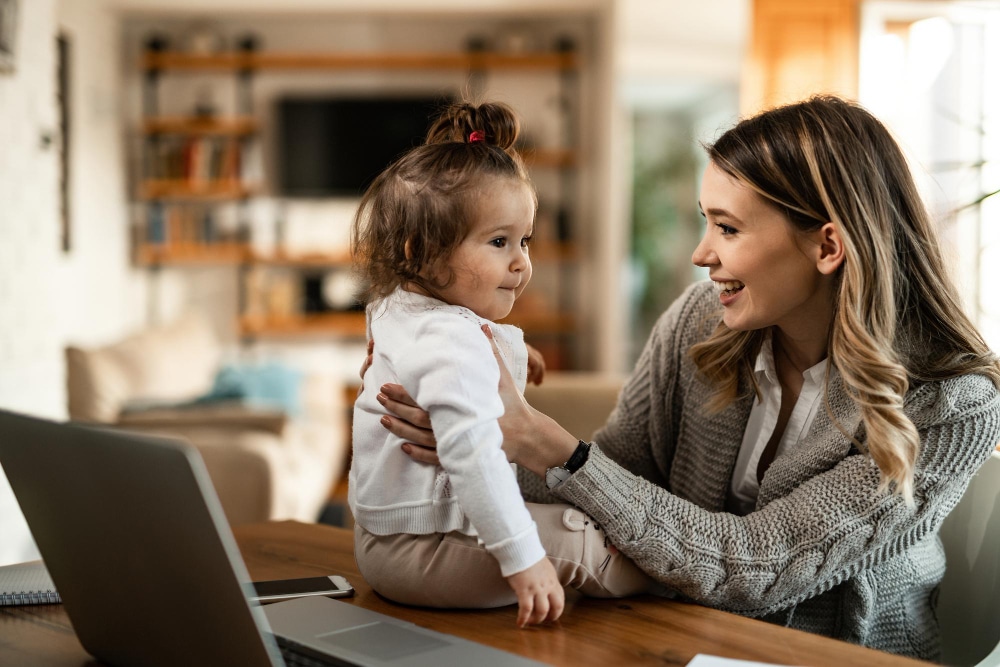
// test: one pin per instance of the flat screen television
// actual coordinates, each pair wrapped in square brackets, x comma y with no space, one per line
[336,146]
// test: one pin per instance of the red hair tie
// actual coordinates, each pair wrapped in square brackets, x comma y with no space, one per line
[476,136]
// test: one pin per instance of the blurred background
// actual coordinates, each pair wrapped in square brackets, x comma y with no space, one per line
[166,161]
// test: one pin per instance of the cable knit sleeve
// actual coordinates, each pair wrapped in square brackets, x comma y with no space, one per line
[825,526]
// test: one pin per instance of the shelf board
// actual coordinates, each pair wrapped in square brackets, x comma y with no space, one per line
[183,189]
[196,125]
[542,323]
[190,254]
[283,258]
[351,324]
[241,253]
[399,61]
[543,251]
[547,251]
[549,157]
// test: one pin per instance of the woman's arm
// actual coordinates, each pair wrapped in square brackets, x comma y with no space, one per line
[820,533]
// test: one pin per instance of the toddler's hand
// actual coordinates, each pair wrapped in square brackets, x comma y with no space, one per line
[540,596]
[536,365]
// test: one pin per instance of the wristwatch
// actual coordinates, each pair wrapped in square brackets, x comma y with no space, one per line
[559,474]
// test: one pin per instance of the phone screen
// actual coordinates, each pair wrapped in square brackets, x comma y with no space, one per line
[283,589]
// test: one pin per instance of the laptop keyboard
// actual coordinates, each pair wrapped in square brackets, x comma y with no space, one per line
[297,655]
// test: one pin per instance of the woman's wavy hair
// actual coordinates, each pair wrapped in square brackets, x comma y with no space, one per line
[417,211]
[898,318]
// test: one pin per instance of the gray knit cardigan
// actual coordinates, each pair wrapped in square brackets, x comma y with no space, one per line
[823,551]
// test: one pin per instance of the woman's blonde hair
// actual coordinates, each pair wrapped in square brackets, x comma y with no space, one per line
[417,211]
[897,317]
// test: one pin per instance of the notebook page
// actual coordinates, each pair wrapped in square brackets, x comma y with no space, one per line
[27,583]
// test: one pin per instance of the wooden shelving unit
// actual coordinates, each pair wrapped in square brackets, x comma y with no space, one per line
[173,196]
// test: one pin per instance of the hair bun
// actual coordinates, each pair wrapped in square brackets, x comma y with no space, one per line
[493,123]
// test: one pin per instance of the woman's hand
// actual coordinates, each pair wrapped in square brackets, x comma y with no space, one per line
[410,422]
[366,364]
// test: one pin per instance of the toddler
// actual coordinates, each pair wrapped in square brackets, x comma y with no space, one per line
[442,237]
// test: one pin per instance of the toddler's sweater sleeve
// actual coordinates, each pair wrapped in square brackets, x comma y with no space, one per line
[453,374]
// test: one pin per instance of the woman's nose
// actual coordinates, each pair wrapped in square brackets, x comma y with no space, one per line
[703,254]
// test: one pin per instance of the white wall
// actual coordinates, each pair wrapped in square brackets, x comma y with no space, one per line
[102,297]
[49,298]
[29,242]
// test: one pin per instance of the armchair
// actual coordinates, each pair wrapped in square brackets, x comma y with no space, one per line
[265,462]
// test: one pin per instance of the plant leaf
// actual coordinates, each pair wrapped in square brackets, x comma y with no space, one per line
[979,200]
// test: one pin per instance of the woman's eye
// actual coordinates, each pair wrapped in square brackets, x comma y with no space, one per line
[725,229]
[499,242]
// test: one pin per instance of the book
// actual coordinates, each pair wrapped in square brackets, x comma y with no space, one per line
[27,583]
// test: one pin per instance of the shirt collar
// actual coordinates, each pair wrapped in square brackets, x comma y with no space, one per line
[765,364]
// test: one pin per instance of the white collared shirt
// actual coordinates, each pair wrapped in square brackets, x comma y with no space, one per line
[744,487]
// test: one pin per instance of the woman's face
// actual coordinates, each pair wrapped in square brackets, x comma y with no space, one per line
[765,270]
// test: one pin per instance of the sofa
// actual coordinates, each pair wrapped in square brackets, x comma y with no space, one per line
[268,460]
[579,401]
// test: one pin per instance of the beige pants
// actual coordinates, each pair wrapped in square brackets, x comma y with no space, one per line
[453,570]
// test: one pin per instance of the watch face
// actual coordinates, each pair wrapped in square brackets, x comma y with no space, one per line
[556,476]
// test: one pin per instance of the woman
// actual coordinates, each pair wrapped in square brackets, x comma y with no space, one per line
[792,457]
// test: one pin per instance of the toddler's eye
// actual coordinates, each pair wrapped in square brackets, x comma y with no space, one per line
[499,242]
[525,241]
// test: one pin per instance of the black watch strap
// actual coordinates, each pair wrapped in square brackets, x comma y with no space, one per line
[579,457]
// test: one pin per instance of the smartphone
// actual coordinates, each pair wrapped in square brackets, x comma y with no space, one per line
[276,590]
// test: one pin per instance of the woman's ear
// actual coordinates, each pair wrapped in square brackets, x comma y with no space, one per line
[831,249]
[407,250]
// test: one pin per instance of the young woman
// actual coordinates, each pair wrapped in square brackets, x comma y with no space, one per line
[442,240]
[798,427]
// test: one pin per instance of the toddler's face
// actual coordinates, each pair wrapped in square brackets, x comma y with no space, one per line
[491,266]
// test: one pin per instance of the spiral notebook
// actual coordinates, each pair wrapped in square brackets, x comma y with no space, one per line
[26,583]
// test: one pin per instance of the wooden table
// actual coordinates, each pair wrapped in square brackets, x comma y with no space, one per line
[643,630]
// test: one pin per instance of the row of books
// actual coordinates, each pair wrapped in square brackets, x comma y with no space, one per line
[185,225]
[198,159]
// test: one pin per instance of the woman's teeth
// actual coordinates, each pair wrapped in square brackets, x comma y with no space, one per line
[728,286]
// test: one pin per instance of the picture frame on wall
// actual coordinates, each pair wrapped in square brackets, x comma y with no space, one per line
[8,31]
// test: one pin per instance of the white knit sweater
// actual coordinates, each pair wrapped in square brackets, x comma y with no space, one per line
[441,356]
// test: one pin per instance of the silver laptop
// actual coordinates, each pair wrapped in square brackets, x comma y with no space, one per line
[136,542]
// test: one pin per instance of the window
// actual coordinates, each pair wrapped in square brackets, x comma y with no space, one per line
[929,70]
